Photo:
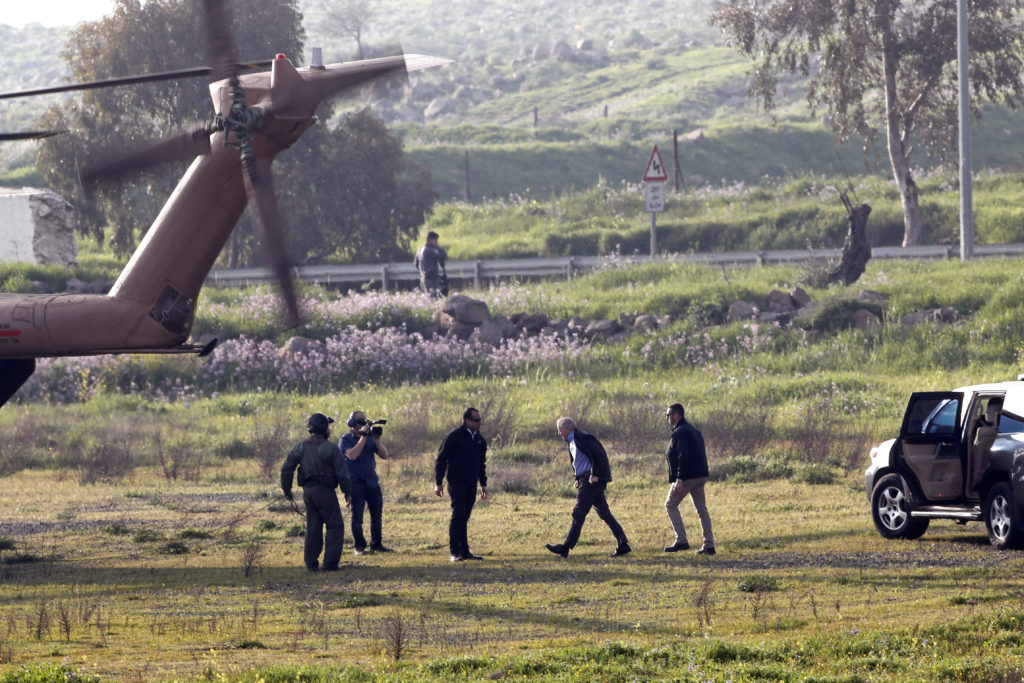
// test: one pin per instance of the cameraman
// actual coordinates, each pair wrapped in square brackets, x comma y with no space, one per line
[359,446]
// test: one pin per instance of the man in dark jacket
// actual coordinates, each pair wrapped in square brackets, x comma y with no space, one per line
[590,465]
[462,457]
[687,473]
[429,260]
[321,470]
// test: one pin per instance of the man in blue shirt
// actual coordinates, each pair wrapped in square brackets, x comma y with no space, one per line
[593,472]
[359,446]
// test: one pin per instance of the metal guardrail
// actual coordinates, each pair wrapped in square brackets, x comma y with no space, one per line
[482,270]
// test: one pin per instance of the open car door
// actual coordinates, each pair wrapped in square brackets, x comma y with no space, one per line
[932,445]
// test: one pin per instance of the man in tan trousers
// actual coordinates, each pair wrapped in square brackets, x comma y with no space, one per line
[688,472]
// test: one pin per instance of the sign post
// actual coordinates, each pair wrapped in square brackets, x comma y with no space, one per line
[655,176]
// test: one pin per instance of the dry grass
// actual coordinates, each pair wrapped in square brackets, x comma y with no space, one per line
[165,614]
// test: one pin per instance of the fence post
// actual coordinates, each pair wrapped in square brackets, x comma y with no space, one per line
[476,274]
[384,277]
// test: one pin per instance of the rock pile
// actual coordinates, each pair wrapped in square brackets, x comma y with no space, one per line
[464,318]
[469,319]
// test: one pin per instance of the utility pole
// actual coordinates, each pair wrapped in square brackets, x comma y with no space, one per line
[966,199]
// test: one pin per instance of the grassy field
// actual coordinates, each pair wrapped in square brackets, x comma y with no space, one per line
[143,537]
[149,580]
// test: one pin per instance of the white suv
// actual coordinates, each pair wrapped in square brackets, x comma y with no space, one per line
[959,455]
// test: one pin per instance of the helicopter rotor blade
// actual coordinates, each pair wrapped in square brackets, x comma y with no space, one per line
[220,45]
[259,185]
[131,80]
[182,145]
[30,135]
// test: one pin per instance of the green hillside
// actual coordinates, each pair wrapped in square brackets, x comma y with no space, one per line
[548,98]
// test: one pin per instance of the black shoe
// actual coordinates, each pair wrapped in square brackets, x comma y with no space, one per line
[557,549]
[623,549]
[457,558]
[330,569]
[471,556]
[706,550]
[380,549]
[314,568]
[677,546]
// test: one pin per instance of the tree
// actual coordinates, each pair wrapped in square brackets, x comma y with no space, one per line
[347,191]
[159,36]
[349,18]
[368,201]
[882,65]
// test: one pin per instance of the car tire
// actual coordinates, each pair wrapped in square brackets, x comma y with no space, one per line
[1002,518]
[891,503]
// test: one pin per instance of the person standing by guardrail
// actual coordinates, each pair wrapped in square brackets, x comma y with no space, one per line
[429,261]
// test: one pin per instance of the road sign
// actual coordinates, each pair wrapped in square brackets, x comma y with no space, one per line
[655,172]
[654,196]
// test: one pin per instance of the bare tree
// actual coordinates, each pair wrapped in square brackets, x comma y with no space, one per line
[349,18]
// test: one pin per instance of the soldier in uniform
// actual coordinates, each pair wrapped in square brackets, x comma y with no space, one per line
[322,469]
[429,261]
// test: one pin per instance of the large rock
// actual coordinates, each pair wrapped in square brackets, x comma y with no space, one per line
[939,316]
[298,346]
[800,297]
[780,302]
[490,332]
[532,323]
[874,297]
[38,227]
[460,330]
[866,320]
[741,310]
[603,329]
[466,309]
[646,322]
[562,51]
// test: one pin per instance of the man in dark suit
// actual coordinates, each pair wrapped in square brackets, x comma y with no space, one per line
[462,457]
[687,474]
[589,462]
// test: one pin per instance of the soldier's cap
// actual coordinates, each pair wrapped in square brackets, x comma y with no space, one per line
[319,423]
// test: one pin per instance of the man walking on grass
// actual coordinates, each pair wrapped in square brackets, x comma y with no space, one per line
[590,465]
[687,474]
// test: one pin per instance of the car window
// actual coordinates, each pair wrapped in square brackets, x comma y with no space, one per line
[933,416]
[1010,425]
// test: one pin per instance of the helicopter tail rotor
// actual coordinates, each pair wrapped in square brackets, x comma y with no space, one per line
[279,114]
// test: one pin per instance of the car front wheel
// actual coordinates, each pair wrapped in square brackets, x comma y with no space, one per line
[890,509]
[1002,519]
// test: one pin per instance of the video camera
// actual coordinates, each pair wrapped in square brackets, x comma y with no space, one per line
[372,427]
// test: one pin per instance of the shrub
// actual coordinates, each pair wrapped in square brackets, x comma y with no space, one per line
[758,584]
